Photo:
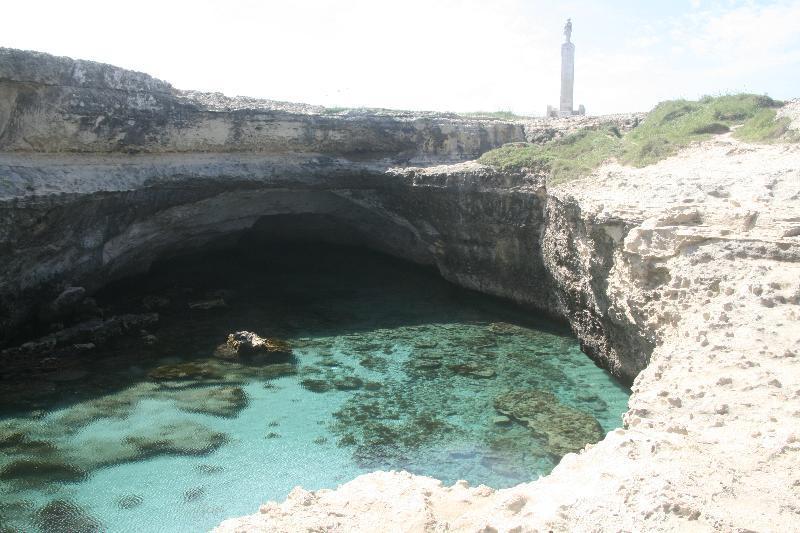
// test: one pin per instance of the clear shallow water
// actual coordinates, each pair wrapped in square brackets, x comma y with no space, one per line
[391,368]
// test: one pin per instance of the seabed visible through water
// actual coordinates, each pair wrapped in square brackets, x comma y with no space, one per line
[391,368]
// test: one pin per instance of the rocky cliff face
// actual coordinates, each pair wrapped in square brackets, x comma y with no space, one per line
[687,273]
[50,104]
[93,219]
[105,170]
[682,275]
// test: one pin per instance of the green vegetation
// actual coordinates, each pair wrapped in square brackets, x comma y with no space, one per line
[677,123]
[763,127]
[564,159]
[667,128]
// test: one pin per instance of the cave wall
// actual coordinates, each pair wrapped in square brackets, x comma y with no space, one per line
[103,171]
[480,237]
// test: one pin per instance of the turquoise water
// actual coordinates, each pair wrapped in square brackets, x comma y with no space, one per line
[391,368]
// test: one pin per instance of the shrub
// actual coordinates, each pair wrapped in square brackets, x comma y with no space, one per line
[670,126]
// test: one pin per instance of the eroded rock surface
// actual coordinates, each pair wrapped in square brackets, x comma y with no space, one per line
[690,266]
[247,343]
[683,275]
[565,429]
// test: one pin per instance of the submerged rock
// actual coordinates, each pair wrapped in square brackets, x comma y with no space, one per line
[372,362]
[37,473]
[565,428]
[184,371]
[67,516]
[75,339]
[209,469]
[186,438]
[64,305]
[148,338]
[17,442]
[348,383]
[425,344]
[316,385]
[501,420]
[426,364]
[503,328]
[205,305]
[151,302]
[277,370]
[193,494]
[473,370]
[130,501]
[217,401]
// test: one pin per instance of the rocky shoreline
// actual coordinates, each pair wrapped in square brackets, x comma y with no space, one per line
[680,277]
[700,265]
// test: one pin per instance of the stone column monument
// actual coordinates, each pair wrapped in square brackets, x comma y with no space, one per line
[566,105]
[567,72]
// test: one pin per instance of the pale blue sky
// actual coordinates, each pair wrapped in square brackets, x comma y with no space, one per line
[455,55]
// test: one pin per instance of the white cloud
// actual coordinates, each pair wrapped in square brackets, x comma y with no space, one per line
[746,38]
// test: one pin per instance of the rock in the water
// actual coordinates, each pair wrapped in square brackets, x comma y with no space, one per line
[149,339]
[247,343]
[217,401]
[473,370]
[316,385]
[565,428]
[193,494]
[151,302]
[71,305]
[214,303]
[130,501]
[68,298]
[183,371]
[348,383]
[503,328]
[427,365]
[187,438]
[65,515]
[501,420]
[37,473]
[277,370]
[83,336]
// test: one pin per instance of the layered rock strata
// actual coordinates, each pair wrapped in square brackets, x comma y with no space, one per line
[682,275]
[697,257]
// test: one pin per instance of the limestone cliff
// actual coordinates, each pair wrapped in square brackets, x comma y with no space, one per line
[104,170]
[691,268]
[682,276]
[51,104]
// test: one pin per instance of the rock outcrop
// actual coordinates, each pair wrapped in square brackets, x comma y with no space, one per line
[682,276]
[50,104]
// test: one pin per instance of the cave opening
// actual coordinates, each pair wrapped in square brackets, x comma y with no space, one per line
[355,361]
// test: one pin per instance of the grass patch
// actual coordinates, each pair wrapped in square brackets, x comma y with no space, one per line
[669,127]
[678,123]
[763,127]
[563,159]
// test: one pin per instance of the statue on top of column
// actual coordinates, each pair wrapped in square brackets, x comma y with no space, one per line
[568,29]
